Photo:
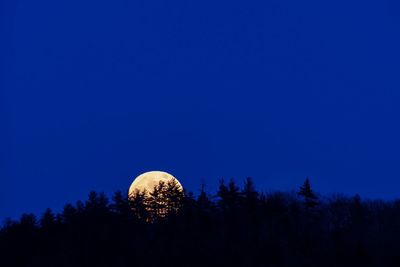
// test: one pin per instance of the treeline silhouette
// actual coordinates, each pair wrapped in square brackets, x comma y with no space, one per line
[234,227]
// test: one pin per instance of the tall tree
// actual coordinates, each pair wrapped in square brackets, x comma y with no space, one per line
[157,202]
[97,203]
[68,214]
[228,195]
[174,195]
[120,204]
[306,192]
[138,204]
[47,221]
[203,200]
[249,192]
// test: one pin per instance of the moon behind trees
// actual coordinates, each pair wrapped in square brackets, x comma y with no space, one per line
[148,180]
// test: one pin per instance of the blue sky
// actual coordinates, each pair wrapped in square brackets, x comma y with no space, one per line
[93,93]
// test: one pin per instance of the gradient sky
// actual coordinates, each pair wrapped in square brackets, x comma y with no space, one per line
[92,93]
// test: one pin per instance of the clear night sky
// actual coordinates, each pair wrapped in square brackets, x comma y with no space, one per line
[93,93]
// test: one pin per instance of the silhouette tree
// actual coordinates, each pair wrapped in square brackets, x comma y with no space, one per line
[48,220]
[222,194]
[120,204]
[203,201]
[249,194]
[139,204]
[310,198]
[97,203]
[173,195]
[68,214]
[157,202]
[229,196]
[80,207]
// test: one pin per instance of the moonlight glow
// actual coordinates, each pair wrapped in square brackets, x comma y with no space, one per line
[148,180]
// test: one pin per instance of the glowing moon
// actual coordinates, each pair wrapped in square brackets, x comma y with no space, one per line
[148,180]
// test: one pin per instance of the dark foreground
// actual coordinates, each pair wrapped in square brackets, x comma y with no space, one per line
[237,227]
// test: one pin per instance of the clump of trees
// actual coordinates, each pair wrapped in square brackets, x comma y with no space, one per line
[236,226]
[165,199]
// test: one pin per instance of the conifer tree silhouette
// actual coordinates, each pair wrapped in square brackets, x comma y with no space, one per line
[203,201]
[229,196]
[69,213]
[310,198]
[139,205]
[173,196]
[249,193]
[120,204]
[48,219]
[222,194]
[157,201]
[96,203]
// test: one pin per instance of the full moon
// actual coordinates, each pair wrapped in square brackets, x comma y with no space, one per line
[148,180]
